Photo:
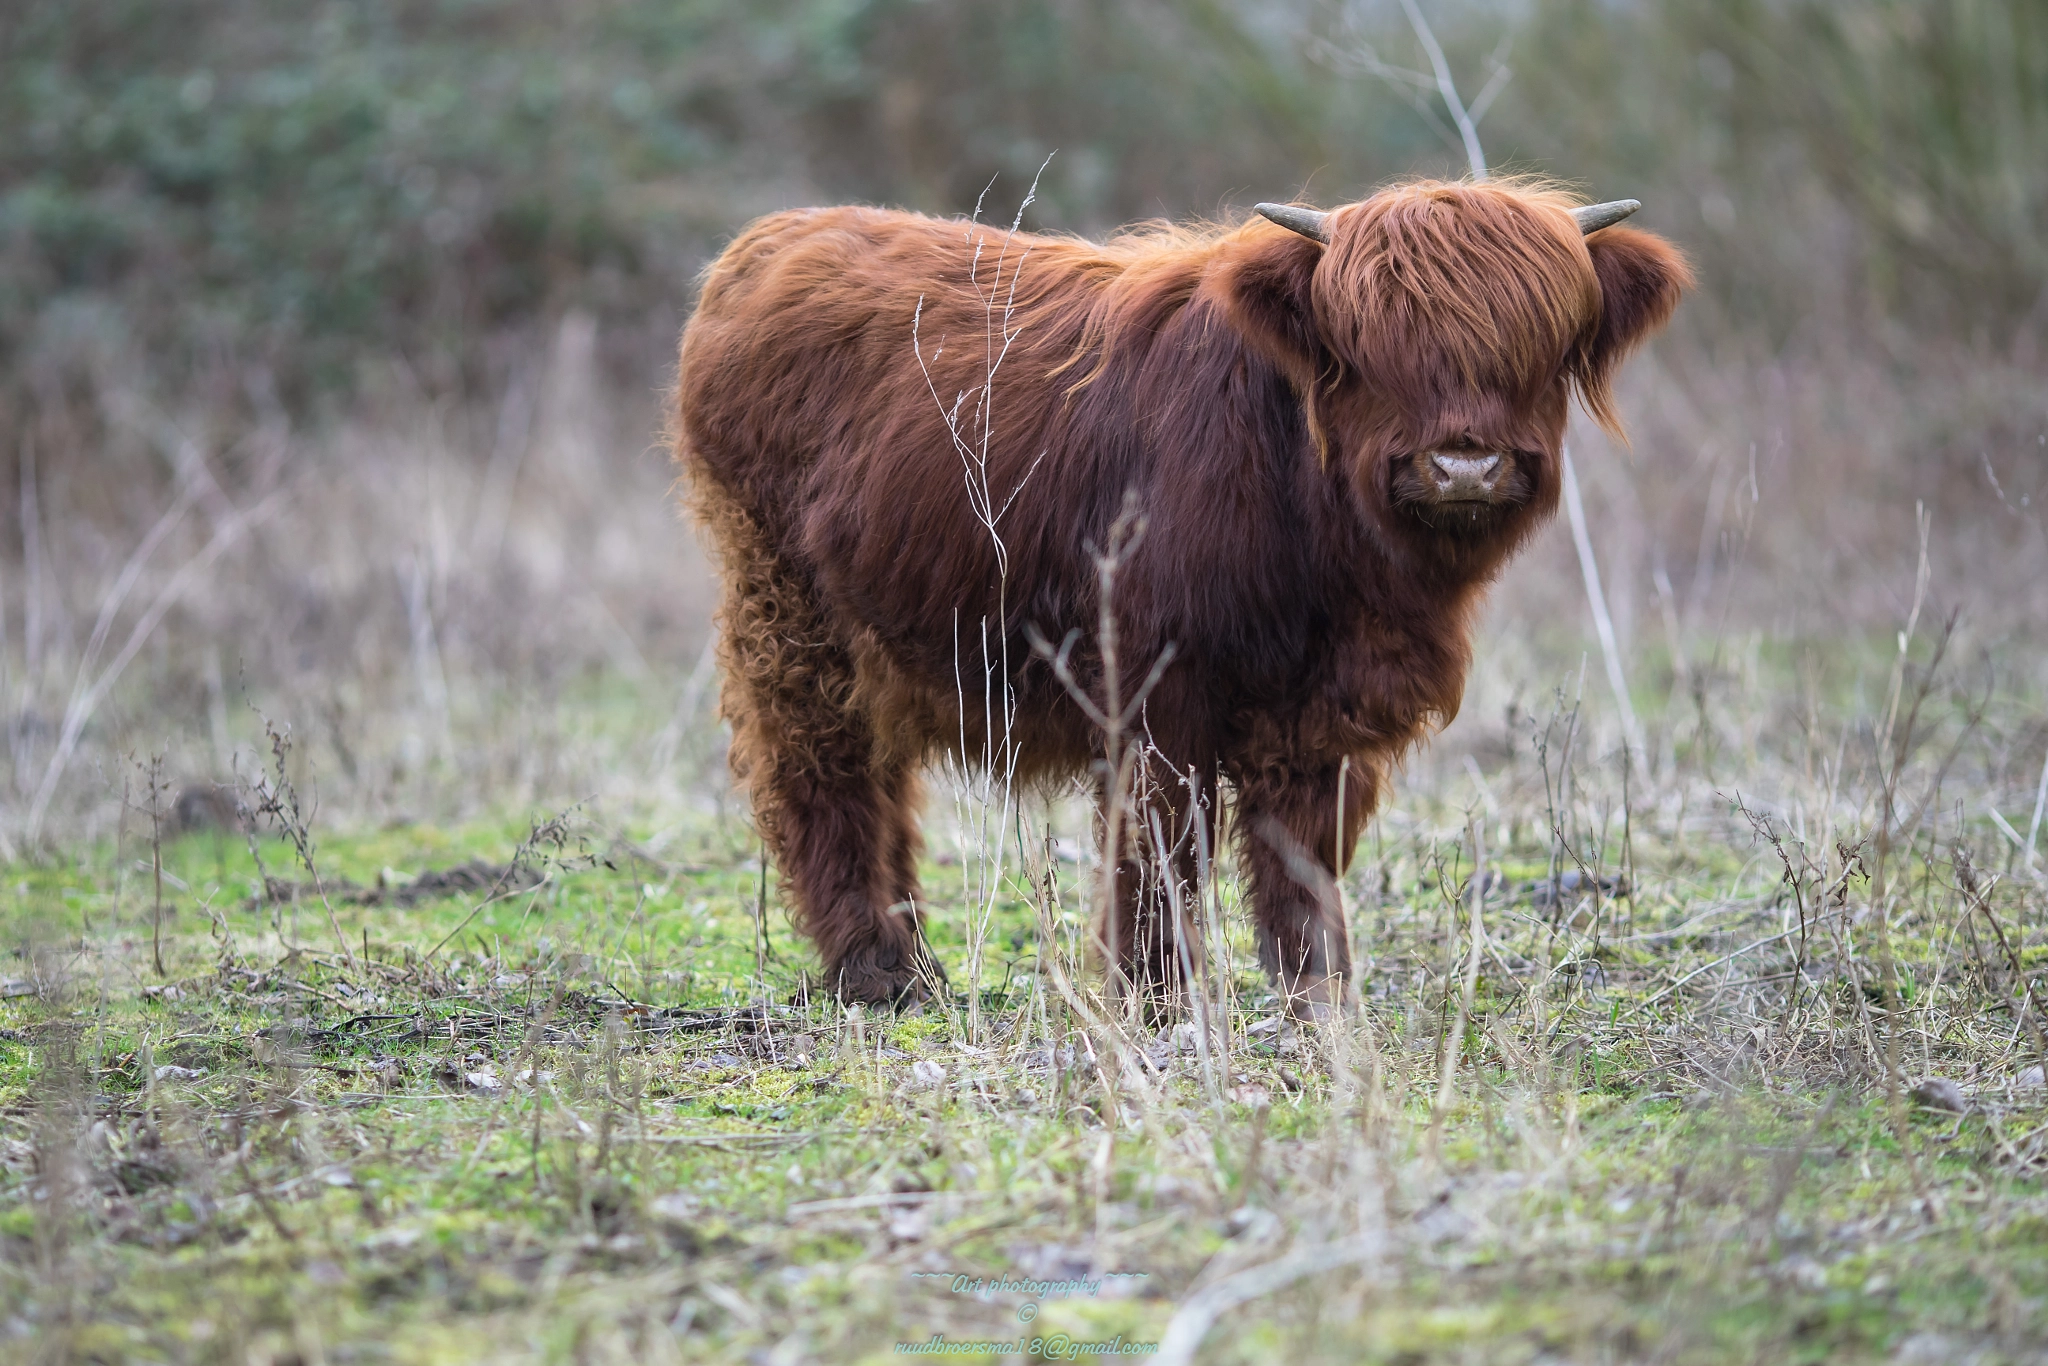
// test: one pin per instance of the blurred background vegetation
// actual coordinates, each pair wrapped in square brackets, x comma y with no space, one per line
[291,186]
[334,250]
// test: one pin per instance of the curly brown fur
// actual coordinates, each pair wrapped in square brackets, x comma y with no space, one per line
[841,825]
[1273,404]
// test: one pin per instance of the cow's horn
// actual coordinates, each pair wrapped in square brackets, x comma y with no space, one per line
[1307,222]
[1593,217]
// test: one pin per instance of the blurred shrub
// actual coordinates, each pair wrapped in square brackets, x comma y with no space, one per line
[296,186]
[1837,164]
[309,179]
[301,182]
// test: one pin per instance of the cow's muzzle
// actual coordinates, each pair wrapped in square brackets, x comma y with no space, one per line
[1459,477]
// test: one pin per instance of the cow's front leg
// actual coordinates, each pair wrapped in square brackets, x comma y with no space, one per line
[1294,843]
[1148,932]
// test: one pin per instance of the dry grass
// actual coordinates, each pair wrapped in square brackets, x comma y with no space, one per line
[579,1104]
[456,609]
[1679,1113]
[488,1042]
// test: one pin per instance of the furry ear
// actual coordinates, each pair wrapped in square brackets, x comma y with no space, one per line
[1265,276]
[1641,277]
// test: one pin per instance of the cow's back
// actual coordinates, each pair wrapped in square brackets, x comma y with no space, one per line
[805,413]
[828,345]
[788,342]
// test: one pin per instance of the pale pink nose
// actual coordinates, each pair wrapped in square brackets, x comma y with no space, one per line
[1461,478]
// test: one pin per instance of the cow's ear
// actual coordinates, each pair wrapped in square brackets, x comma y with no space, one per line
[1641,277]
[1266,275]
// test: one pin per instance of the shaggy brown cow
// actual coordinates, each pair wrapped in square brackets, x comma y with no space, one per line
[1337,428]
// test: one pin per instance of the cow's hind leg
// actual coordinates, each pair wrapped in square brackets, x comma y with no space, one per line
[845,839]
[839,818]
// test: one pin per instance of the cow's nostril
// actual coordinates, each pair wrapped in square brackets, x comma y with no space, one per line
[1465,467]
[1461,477]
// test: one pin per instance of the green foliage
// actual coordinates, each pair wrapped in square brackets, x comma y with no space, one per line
[1832,162]
[383,173]
[297,185]
[491,1153]
[419,174]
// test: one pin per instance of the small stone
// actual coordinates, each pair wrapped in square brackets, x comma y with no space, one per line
[676,1218]
[1803,1271]
[1928,1349]
[1939,1093]
[678,1206]
[171,1072]
[927,1073]
[1162,1188]
[394,1238]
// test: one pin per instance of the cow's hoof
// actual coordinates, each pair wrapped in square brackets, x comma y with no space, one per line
[1322,1001]
[911,996]
[904,981]
[1162,1001]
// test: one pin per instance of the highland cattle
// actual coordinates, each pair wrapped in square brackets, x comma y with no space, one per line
[1334,429]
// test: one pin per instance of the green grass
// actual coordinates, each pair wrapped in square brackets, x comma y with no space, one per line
[575,1133]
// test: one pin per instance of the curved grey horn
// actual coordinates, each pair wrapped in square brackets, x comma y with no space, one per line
[1307,222]
[1594,217]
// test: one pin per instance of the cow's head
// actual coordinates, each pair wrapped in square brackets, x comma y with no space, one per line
[1437,333]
